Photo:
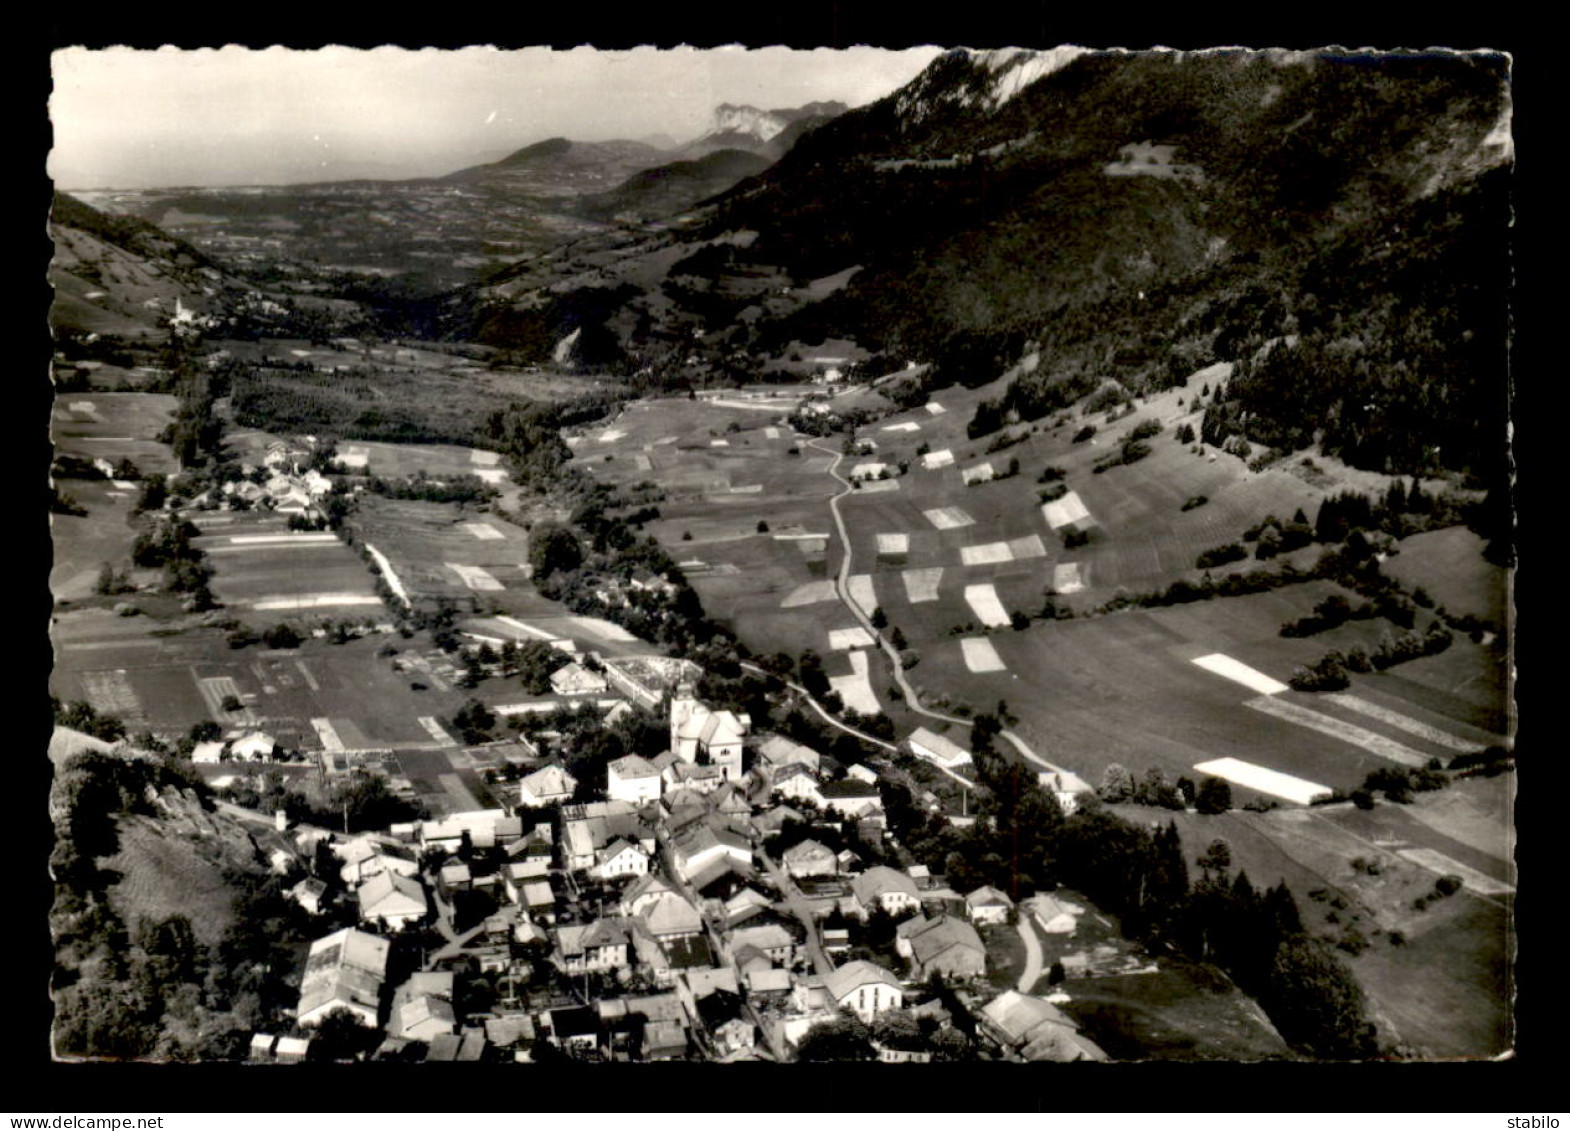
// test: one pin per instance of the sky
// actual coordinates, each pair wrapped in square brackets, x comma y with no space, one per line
[233,116]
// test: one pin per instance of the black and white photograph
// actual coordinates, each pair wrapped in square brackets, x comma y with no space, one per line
[934,555]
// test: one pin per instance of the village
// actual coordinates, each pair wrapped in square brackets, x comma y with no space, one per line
[688,912]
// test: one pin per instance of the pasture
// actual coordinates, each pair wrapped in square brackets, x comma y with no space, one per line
[114,426]
[1449,564]
[83,543]
[1438,992]
[1182,1011]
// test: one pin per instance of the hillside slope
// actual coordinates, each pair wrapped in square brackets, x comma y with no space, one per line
[1138,217]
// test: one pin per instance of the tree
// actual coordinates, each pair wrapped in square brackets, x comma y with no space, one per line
[1315,1002]
[844,1038]
[554,549]
[897,638]
[1056,973]
[281,636]
[1117,785]
[763,526]
[1216,861]
[1213,796]
[342,1036]
[879,618]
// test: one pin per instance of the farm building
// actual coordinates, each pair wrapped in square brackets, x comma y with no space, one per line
[1069,789]
[938,750]
[308,894]
[208,752]
[795,780]
[343,971]
[852,798]
[253,747]
[1052,915]
[1035,1029]
[646,679]
[863,773]
[869,470]
[945,945]
[884,887]
[809,858]
[575,679]
[988,905]
[422,1007]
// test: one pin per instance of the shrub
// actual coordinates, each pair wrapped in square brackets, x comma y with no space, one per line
[1084,434]
[1446,886]
[1195,501]
[1220,555]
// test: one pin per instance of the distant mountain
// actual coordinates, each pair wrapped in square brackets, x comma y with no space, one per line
[1137,217]
[558,167]
[767,133]
[666,190]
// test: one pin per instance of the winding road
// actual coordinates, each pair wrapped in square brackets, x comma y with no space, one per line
[842,590]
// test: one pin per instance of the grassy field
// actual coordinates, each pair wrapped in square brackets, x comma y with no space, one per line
[1182,1012]
[113,426]
[1439,993]
[1449,564]
[82,543]
[302,580]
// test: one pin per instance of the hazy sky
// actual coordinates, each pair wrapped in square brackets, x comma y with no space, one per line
[138,119]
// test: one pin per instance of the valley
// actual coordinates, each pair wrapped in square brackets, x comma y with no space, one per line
[1075,482]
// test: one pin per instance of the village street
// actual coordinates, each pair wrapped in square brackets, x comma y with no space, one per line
[799,908]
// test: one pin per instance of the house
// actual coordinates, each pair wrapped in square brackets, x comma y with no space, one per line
[776,751]
[701,779]
[364,858]
[454,876]
[539,900]
[865,989]
[344,970]
[1069,789]
[705,844]
[797,782]
[772,820]
[392,900]
[725,1016]
[589,829]
[702,735]
[745,904]
[575,679]
[771,983]
[809,858]
[863,773]
[937,749]
[872,469]
[633,778]
[422,1007]
[664,1040]
[644,892]
[884,887]
[1053,915]
[262,1046]
[772,936]
[669,917]
[619,858]
[309,893]
[836,940]
[988,905]
[852,798]
[549,785]
[945,945]
[1035,1029]
[600,945]
[730,800]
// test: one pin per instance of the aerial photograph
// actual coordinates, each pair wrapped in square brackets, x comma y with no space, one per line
[936,554]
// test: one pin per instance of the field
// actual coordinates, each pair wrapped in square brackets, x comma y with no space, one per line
[1440,992]
[1182,1011]
[264,573]
[114,426]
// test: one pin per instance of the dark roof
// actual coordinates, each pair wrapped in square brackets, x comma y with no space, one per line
[576,1021]
[689,953]
[719,1007]
[849,787]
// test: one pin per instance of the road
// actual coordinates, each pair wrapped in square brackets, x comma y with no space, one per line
[799,908]
[1027,935]
[842,590]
